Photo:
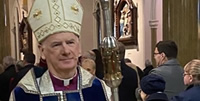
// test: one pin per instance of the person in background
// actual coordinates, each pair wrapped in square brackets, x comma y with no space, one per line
[19,65]
[6,77]
[95,55]
[152,88]
[57,26]
[129,81]
[88,55]
[133,66]
[136,68]
[99,64]
[168,67]
[28,63]
[1,68]
[42,67]
[89,65]
[192,81]
[8,61]
[148,67]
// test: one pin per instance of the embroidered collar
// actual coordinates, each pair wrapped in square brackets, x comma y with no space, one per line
[45,84]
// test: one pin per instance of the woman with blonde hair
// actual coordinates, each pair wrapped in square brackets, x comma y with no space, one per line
[192,80]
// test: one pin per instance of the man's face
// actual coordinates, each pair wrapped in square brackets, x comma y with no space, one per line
[61,51]
[159,57]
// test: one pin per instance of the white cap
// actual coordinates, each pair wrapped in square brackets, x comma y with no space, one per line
[47,17]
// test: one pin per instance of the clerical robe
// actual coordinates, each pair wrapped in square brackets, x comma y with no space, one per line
[83,87]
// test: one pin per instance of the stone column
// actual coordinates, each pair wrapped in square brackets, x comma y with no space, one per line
[153,23]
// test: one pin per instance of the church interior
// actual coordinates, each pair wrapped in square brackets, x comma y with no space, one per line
[150,21]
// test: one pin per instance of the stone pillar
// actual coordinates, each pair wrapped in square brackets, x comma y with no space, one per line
[153,23]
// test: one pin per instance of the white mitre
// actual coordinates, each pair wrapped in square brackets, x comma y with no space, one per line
[47,17]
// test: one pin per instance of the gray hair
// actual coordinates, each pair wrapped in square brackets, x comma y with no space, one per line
[19,64]
[89,55]
[7,61]
[148,62]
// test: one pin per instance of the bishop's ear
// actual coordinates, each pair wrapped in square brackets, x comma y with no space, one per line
[41,49]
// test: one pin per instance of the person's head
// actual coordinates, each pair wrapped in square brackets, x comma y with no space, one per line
[7,61]
[29,58]
[151,84]
[121,47]
[127,60]
[57,29]
[19,64]
[88,55]
[164,51]
[89,65]
[148,63]
[192,72]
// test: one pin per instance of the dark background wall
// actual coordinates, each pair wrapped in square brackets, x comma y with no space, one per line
[180,24]
[5,44]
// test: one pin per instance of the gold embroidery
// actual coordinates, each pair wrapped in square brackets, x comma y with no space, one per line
[75,9]
[66,25]
[37,14]
[57,13]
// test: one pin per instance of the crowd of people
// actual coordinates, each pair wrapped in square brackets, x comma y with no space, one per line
[65,75]
[13,71]
[166,82]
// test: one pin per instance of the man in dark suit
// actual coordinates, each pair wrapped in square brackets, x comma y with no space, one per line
[129,82]
[5,77]
[29,61]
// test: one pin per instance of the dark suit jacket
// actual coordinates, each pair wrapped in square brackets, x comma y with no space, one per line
[5,79]
[23,71]
[140,72]
[190,94]
[147,69]
[129,83]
